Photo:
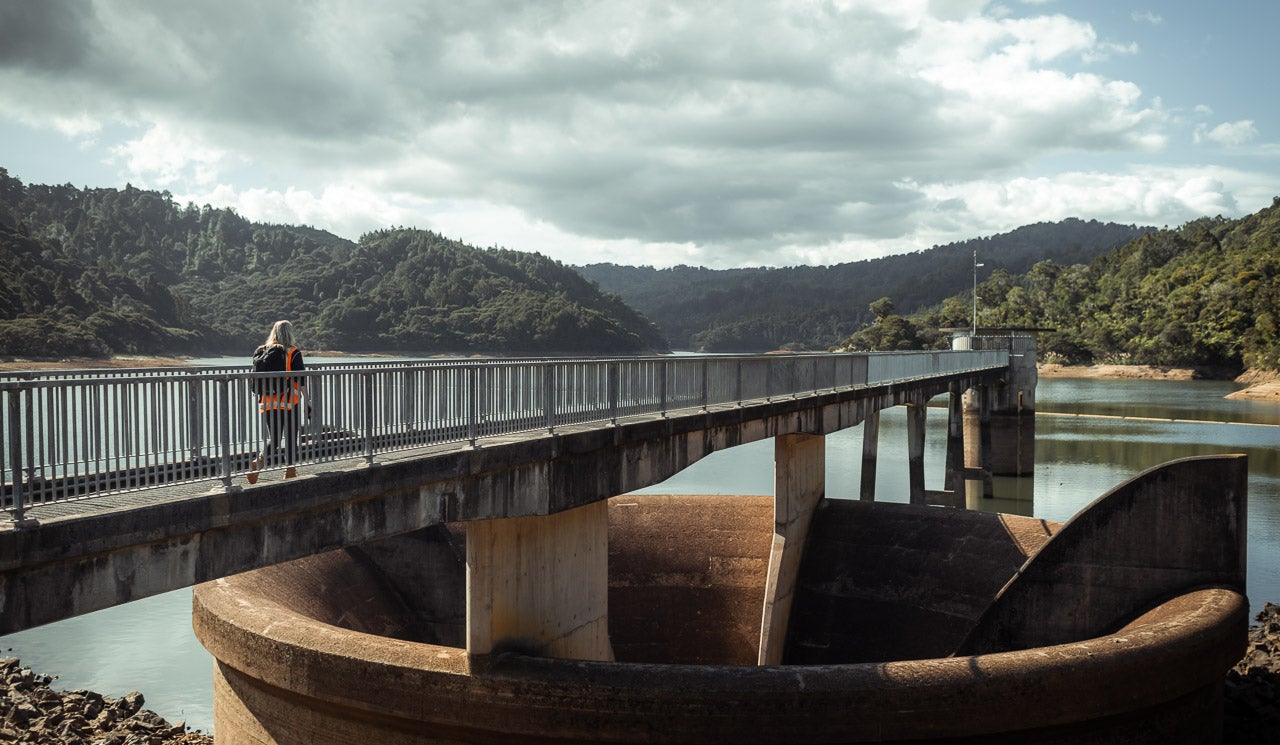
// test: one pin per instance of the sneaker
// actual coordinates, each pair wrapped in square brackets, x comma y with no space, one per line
[254,467]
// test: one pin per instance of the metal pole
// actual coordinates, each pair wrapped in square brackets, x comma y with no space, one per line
[549,395]
[975,291]
[368,418]
[662,388]
[224,427]
[15,452]
[615,385]
[474,406]
[737,384]
[705,363]
[195,419]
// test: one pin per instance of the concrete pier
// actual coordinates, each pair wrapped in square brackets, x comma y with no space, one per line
[539,584]
[799,465]
[999,419]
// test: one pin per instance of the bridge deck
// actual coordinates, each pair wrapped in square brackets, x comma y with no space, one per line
[110,548]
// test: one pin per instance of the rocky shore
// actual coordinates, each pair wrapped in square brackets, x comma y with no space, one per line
[33,712]
[1252,711]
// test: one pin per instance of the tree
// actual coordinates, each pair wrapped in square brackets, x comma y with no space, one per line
[881,308]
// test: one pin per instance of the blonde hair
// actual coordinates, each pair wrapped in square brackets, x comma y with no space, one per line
[282,334]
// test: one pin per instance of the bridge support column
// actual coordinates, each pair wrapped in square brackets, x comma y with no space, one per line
[870,445]
[1010,403]
[977,435]
[955,440]
[799,483]
[916,413]
[540,584]
[1013,412]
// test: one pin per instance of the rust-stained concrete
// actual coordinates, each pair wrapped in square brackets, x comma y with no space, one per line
[895,582]
[288,671]
[686,575]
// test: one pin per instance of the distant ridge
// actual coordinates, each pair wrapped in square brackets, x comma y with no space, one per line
[92,272]
[754,310]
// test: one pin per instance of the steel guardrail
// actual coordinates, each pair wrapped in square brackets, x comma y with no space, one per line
[77,434]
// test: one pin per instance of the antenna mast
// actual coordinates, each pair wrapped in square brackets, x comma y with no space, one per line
[975,291]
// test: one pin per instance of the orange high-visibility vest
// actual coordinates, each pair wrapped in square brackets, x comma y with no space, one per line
[286,399]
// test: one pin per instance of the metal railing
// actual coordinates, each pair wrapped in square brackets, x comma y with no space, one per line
[70,435]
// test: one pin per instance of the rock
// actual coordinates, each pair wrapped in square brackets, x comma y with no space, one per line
[130,704]
[1251,711]
[32,712]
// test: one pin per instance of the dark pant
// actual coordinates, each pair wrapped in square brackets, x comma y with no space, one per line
[277,425]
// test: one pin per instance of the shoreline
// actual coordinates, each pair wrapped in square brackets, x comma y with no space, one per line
[1260,385]
[1132,372]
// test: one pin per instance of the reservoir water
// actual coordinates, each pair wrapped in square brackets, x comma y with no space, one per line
[1090,436]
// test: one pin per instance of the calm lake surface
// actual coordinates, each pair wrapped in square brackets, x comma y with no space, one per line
[1083,448]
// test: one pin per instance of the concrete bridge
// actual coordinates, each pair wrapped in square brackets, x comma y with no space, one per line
[121,485]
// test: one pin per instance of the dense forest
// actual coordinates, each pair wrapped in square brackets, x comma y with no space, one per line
[1206,294]
[91,272]
[814,307]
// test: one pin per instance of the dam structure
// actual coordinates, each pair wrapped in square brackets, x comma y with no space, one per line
[490,577]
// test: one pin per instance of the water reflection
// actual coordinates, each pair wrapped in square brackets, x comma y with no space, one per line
[1078,458]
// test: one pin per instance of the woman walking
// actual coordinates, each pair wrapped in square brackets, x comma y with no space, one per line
[278,401]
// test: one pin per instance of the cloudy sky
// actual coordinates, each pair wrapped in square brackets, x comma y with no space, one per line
[736,133]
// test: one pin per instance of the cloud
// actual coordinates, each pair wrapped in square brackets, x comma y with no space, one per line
[1146,16]
[720,133]
[162,156]
[1231,134]
[1149,195]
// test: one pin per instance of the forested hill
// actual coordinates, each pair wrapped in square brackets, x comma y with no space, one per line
[1203,295]
[743,310]
[89,272]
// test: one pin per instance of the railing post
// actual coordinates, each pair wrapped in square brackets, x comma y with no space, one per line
[662,388]
[14,404]
[224,428]
[737,386]
[409,400]
[614,374]
[195,419]
[29,395]
[367,398]
[705,364]
[549,395]
[478,384]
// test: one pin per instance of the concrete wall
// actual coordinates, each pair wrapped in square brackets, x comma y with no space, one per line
[540,585]
[287,678]
[1177,526]
[686,577]
[898,582]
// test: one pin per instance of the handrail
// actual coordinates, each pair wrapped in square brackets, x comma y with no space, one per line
[77,434]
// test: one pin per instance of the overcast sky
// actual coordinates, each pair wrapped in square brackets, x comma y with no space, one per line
[721,134]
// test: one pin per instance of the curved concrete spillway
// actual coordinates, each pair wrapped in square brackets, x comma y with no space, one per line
[364,644]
